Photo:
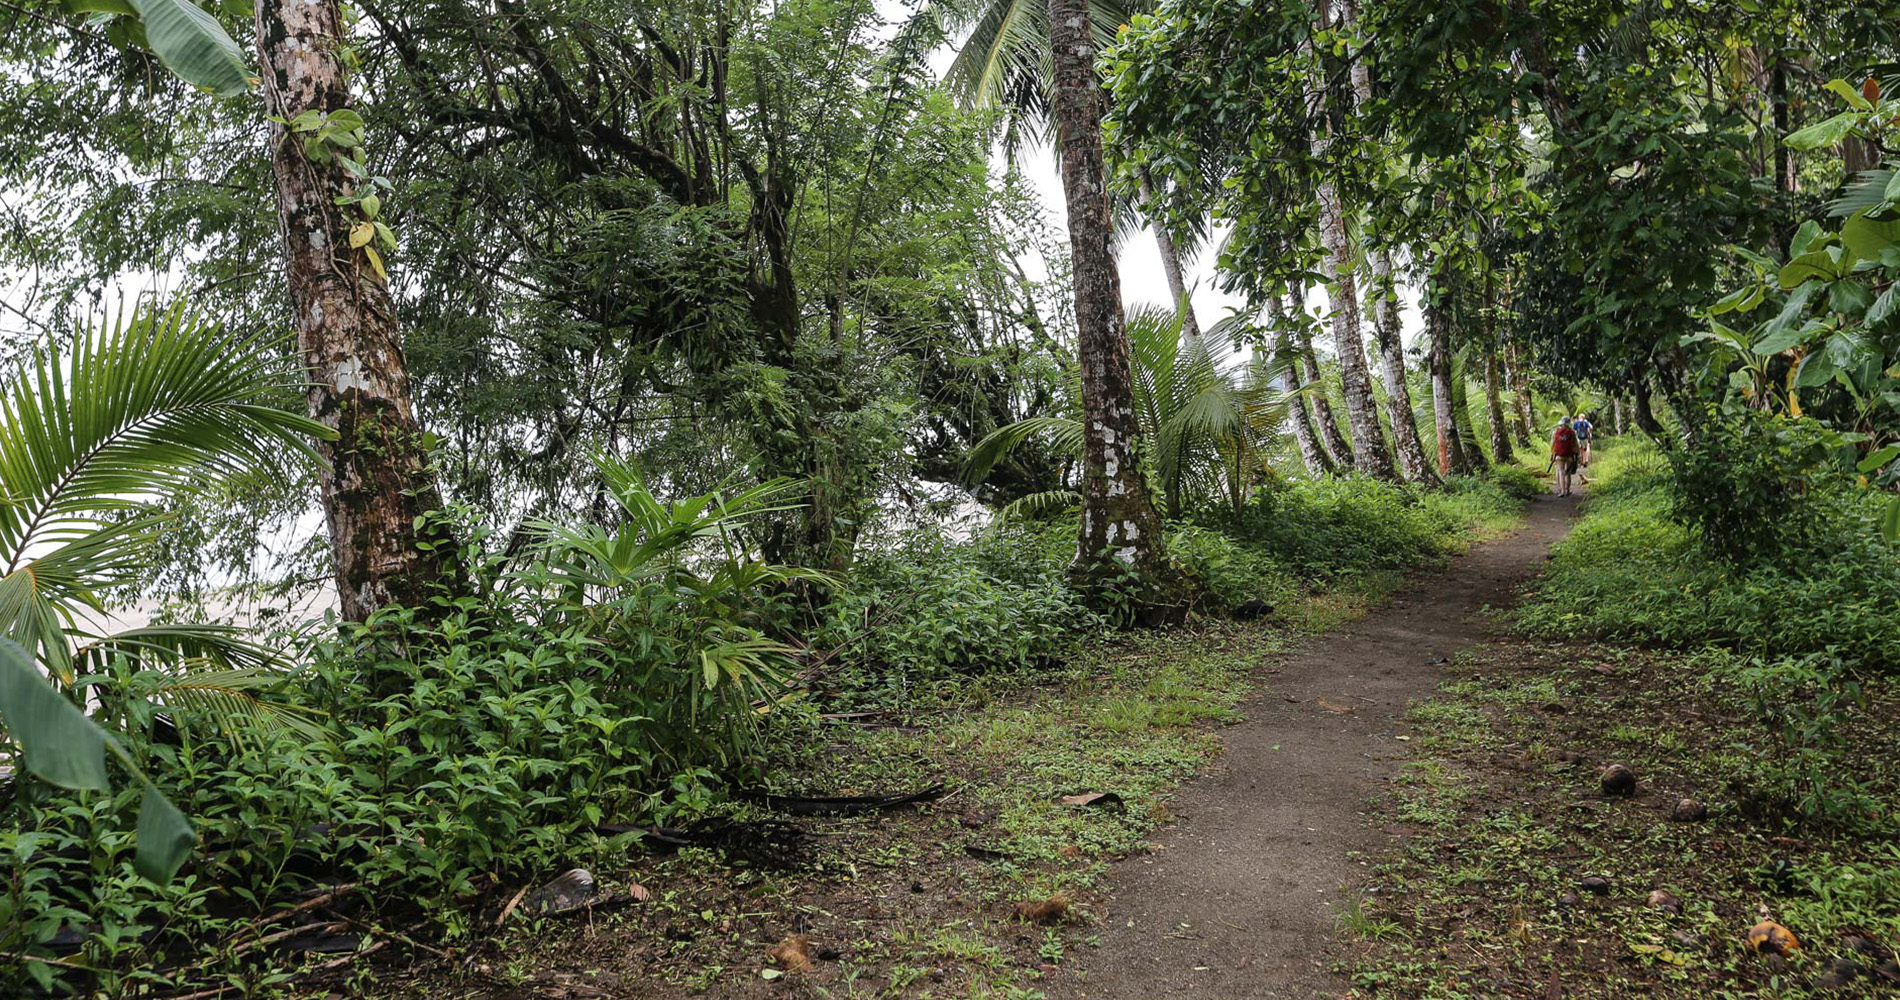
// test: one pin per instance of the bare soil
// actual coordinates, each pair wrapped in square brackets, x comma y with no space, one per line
[1241,898]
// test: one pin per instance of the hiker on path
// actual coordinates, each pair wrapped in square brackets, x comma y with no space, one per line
[1585,431]
[1563,455]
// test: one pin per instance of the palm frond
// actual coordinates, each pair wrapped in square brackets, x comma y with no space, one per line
[1868,189]
[1041,504]
[1062,434]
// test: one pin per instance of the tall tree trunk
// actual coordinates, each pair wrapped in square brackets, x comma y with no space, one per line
[1282,352]
[1369,453]
[1120,530]
[1386,326]
[1451,452]
[1521,395]
[1475,460]
[1331,437]
[1171,266]
[376,481]
[1616,415]
[1398,396]
[1494,404]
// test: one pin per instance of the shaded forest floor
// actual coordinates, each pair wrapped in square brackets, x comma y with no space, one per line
[1404,803]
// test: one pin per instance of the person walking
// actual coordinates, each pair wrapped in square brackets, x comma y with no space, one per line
[1585,431]
[1563,455]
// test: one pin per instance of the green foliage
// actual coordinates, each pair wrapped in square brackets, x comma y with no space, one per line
[1631,571]
[1799,706]
[1326,529]
[917,617]
[1748,484]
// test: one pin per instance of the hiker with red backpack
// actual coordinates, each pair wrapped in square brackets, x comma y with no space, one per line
[1564,452]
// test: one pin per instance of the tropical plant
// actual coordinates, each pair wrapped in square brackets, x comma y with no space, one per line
[1209,425]
[89,440]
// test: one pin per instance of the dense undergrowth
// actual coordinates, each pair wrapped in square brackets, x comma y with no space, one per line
[611,681]
[1633,571]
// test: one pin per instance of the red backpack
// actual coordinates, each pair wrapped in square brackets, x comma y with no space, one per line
[1564,443]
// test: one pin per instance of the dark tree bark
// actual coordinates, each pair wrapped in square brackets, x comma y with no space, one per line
[1121,532]
[1282,352]
[376,481]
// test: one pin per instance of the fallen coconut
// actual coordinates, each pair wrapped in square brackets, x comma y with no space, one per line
[1594,886]
[1663,899]
[1618,780]
[1770,938]
[1689,811]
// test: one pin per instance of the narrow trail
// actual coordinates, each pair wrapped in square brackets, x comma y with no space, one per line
[1239,899]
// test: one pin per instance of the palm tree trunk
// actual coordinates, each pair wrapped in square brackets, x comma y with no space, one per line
[1451,452]
[1387,330]
[376,482]
[1171,266]
[1369,453]
[1521,393]
[1474,461]
[1311,451]
[1338,452]
[1120,531]
[1494,405]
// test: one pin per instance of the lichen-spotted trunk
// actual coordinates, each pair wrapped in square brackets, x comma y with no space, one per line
[376,480]
[1121,533]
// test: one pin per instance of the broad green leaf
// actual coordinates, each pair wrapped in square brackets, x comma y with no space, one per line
[1824,133]
[1849,297]
[1892,191]
[372,206]
[385,234]
[1879,458]
[62,746]
[1787,337]
[1867,237]
[1851,94]
[192,44]
[1811,265]
[1804,237]
[361,234]
[1816,369]
[1883,306]
[164,837]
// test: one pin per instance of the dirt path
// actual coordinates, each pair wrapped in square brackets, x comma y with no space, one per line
[1238,902]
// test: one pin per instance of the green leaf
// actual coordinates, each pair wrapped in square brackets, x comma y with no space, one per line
[192,44]
[347,120]
[1867,237]
[1824,133]
[62,746]
[1816,369]
[1851,94]
[388,237]
[1892,190]
[165,837]
[372,206]
[1884,305]
[1804,237]
[1879,458]
[1808,266]
[1849,297]
[1786,337]
[1890,521]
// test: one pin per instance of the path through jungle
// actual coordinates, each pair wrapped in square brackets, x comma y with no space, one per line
[1240,900]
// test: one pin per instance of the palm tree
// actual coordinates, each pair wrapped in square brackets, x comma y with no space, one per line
[145,409]
[1006,63]
[1210,425]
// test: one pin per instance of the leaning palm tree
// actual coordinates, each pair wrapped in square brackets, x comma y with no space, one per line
[1209,426]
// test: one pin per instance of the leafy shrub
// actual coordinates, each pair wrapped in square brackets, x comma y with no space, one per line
[1746,483]
[921,613]
[1629,570]
[1800,706]
[609,677]
[1326,529]
[1232,573]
